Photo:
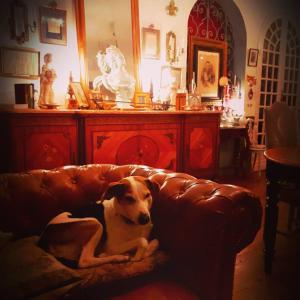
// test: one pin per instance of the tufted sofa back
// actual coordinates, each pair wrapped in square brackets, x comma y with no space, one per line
[29,200]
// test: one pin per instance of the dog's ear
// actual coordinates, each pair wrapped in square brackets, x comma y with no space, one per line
[115,189]
[152,185]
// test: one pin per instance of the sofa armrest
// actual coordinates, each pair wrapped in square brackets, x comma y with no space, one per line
[204,225]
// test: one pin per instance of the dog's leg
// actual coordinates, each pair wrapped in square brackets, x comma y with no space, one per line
[152,247]
[141,249]
[87,257]
[139,244]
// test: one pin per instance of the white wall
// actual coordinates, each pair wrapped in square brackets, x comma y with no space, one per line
[65,58]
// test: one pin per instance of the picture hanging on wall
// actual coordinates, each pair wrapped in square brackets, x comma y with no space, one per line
[207,62]
[151,43]
[19,62]
[252,57]
[53,26]
[170,76]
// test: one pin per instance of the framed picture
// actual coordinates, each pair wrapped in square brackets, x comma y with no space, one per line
[170,76]
[79,94]
[142,99]
[19,62]
[252,57]
[151,43]
[53,26]
[207,62]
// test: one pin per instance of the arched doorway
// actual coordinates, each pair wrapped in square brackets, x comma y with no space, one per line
[221,21]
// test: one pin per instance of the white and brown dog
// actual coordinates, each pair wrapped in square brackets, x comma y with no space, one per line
[126,227]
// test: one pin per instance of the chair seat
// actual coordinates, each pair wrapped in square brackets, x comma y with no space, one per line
[159,290]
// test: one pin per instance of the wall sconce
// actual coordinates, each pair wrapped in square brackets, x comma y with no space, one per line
[173,53]
[32,27]
[19,26]
[251,81]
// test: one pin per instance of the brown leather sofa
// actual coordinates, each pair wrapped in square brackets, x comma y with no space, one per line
[200,224]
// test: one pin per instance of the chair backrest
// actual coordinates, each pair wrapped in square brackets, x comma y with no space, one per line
[280,126]
[250,130]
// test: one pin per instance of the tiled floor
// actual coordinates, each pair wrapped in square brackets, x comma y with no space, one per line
[250,282]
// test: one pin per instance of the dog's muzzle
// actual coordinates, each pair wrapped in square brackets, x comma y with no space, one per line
[143,219]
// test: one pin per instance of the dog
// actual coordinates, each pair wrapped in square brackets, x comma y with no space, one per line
[116,229]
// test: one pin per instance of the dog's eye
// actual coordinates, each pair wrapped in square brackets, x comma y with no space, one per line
[129,199]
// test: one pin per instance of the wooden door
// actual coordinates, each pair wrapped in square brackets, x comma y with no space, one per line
[201,140]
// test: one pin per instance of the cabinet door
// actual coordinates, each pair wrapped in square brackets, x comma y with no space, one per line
[153,147]
[201,148]
[43,146]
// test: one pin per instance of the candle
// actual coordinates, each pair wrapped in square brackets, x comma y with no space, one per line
[234,81]
[151,89]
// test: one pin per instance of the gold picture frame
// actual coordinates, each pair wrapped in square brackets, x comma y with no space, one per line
[252,57]
[142,100]
[19,62]
[205,55]
[79,94]
[151,43]
[53,26]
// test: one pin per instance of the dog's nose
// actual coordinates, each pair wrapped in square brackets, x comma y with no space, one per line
[143,219]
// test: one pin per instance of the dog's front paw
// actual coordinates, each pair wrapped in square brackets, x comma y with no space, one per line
[136,258]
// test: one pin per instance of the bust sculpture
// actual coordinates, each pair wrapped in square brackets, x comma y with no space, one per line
[114,76]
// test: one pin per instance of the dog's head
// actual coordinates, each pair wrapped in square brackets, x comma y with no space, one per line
[133,198]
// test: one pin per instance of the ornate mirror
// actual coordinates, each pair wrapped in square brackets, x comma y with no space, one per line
[101,23]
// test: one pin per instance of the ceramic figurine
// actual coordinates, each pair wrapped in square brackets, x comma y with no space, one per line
[47,77]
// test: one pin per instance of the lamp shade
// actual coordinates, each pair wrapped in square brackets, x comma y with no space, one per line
[223,81]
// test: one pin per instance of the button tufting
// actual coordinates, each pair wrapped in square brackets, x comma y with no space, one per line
[74,180]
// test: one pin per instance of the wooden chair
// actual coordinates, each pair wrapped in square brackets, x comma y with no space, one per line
[281,131]
[254,148]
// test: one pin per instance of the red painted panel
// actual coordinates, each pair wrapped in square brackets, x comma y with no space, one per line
[156,148]
[47,150]
[44,147]
[201,148]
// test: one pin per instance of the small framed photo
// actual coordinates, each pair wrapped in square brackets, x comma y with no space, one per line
[142,99]
[252,57]
[151,43]
[170,76]
[53,26]
[79,94]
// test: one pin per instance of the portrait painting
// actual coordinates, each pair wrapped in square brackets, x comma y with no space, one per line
[208,73]
[207,62]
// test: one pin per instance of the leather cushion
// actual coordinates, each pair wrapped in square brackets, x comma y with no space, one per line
[110,272]
[28,271]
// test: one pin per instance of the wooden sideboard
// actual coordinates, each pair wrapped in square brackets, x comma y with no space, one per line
[180,141]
